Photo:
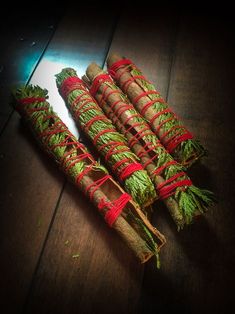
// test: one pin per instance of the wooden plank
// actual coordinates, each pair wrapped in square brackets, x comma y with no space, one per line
[26,210]
[76,44]
[198,272]
[105,277]
[24,36]
[26,175]
[149,41]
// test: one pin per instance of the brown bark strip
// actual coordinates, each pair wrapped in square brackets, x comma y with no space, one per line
[105,91]
[110,190]
[93,71]
[136,88]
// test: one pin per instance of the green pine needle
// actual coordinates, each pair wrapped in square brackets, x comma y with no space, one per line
[187,152]
[137,184]
[190,198]
[41,124]
[150,242]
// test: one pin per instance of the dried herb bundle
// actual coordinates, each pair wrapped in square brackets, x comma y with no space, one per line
[147,100]
[119,211]
[173,186]
[109,142]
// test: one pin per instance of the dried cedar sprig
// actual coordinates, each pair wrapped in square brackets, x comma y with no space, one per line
[87,174]
[173,186]
[148,101]
[109,142]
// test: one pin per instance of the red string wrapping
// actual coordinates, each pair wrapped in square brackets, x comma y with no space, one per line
[173,144]
[167,188]
[117,65]
[96,184]
[94,119]
[121,162]
[160,169]
[134,125]
[57,127]
[148,148]
[85,171]
[174,140]
[31,100]
[68,161]
[149,92]
[97,81]
[125,85]
[115,208]
[71,84]
[128,170]
[129,118]
[96,138]
[84,101]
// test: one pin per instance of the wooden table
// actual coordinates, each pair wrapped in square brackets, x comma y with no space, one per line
[45,220]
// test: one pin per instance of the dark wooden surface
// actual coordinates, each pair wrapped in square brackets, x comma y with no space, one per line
[45,220]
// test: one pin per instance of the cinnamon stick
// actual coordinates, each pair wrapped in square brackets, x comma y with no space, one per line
[148,101]
[153,156]
[87,174]
[109,142]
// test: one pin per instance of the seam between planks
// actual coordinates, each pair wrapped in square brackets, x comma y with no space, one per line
[110,40]
[171,66]
[24,308]
[173,56]
[27,299]
[30,76]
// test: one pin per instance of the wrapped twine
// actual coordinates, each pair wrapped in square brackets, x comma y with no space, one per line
[183,200]
[116,206]
[147,100]
[109,142]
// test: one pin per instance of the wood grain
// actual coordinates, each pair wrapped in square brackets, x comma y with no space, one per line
[197,273]
[24,37]
[105,277]
[149,42]
[80,265]
[26,175]
[26,210]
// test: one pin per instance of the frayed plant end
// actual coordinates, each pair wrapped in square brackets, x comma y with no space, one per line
[195,201]
[188,152]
